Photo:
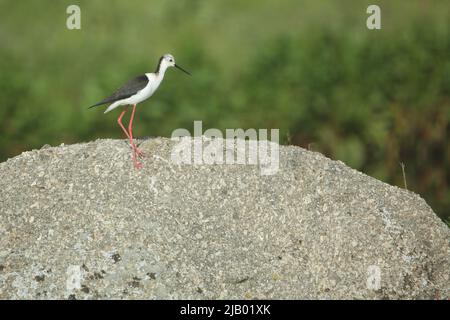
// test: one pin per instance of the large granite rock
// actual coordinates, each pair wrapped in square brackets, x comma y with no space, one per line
[80,222]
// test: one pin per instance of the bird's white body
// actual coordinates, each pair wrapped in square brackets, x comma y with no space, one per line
[135,91]
[134,97]
[154,80]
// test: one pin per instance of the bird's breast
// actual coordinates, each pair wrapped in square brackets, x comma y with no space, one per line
[153,84]
[147,91]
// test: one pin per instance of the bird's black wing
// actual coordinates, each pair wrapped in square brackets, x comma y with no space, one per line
[127,90]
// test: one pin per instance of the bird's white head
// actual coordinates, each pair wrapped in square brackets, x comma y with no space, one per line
[167,61]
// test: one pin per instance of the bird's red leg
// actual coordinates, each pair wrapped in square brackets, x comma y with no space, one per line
[136,151]
[119,121]
[130,134]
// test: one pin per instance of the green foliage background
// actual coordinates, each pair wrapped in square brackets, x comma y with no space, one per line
[372,99]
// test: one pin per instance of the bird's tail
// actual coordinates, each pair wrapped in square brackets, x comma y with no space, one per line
[112,106]
[97,104]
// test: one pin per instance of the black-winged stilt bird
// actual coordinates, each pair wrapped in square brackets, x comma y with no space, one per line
[135,91]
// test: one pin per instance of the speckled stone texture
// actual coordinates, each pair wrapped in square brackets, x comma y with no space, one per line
[79,222]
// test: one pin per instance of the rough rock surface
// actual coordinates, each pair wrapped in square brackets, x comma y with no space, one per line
[79,221]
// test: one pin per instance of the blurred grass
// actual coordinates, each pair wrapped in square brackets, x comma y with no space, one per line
[372,99]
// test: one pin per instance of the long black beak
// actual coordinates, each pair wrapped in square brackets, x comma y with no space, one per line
[178,67]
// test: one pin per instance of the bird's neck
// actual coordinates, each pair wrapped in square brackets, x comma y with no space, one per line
[161,71]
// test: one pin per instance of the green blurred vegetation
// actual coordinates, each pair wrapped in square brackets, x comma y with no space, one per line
[372,99]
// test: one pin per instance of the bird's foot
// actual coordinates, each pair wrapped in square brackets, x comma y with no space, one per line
[139,152]
[137,164]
